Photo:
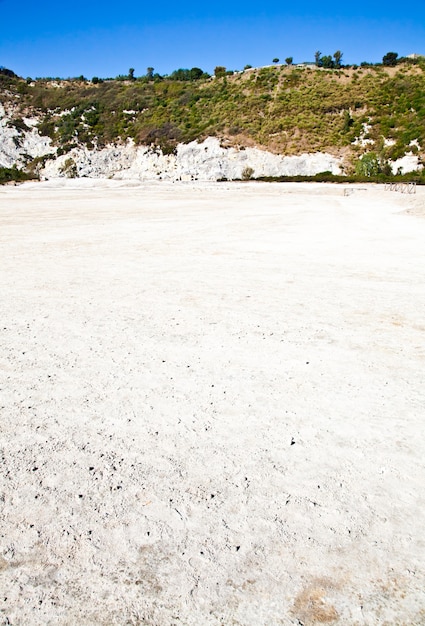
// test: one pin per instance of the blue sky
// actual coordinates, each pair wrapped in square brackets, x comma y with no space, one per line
[107,38]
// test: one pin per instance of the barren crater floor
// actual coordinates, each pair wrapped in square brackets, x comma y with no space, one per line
[212,404]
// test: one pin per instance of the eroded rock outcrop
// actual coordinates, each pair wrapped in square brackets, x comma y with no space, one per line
[205,160]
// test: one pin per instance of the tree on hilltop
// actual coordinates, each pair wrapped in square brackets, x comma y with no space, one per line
[390,59]
[289,60]
[219,71]
[327,62]
[189,75]
[195,73]
[275,60]
[5,72]
[338,58]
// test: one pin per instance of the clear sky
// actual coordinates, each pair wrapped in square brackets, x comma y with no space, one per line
[105,39]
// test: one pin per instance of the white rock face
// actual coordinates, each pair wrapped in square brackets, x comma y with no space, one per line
[406,164]
[363,140]
[206,161]
[16,146]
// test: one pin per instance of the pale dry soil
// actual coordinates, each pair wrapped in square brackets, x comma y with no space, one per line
[212,404]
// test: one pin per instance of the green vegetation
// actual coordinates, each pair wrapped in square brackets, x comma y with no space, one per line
[219,71]
[5,72]
[390,59]
[328,177]
[69,168]
[327,61]
[12,174]
[283,108]
[248,173]
[368,165]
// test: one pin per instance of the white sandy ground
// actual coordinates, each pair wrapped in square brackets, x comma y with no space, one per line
[212,405]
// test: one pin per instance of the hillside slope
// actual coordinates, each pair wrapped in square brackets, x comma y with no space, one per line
[285,111]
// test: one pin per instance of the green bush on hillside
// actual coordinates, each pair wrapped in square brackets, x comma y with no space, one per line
[10,174]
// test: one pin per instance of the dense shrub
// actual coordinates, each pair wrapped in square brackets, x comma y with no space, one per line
[9,174]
